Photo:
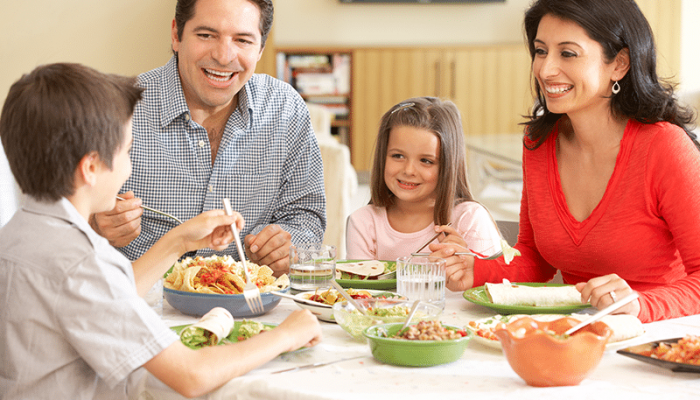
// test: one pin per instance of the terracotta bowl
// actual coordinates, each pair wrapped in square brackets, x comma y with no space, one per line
[546,359]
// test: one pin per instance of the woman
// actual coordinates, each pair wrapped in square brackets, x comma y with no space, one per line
[610,170]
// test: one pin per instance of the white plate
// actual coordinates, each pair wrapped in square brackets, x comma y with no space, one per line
[491,322]
[324,312]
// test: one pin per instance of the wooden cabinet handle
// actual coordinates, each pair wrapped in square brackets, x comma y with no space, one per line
[437,78]
[453,80]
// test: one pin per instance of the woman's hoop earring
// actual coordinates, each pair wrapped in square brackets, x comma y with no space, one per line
[616,88]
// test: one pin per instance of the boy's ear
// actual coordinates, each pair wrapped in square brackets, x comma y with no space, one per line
[87,170]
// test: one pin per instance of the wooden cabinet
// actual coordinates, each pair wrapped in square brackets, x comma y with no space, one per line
[489,84]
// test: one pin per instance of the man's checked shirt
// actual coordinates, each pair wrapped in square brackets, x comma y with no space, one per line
[268,162]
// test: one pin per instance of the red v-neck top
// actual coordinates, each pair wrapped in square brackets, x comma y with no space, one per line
[646,228]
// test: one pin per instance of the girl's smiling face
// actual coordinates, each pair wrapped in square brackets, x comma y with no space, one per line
[570,67]
[412,164]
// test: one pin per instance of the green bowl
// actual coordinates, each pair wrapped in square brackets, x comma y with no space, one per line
[414,353]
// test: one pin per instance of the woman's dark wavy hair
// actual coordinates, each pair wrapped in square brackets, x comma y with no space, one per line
[442,118]
[616,25]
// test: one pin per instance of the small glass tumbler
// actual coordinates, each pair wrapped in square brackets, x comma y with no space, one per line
[154,297]
[311,266]
[421,278]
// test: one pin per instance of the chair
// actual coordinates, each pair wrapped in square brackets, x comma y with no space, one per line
[509,231]
[339,176]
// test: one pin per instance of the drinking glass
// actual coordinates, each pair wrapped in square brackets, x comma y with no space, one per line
[421,278]
[311,266]
[154,297]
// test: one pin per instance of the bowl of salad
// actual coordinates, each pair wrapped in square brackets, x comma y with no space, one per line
[421,344]
[380,311]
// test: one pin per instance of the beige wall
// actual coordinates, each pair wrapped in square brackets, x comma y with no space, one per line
[124,36]
[329,22]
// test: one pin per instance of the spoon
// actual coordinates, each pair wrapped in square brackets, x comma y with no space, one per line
[600,314]
[348,297]
[410,314]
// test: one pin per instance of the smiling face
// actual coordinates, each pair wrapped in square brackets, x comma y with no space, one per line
[412,164]
[571,69]
[220,47]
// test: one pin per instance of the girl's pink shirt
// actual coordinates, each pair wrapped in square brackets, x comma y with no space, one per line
[371,237]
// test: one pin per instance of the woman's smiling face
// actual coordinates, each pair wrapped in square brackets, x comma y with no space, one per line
[570,68]
[412,164]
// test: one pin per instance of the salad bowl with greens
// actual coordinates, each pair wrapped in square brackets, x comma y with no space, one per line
[380,311]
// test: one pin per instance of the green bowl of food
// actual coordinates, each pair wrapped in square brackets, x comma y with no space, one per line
[424,344]
[379,311]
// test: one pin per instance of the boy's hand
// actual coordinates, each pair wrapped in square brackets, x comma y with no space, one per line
[122,224]
[304,329]
[270,247]
[210,229]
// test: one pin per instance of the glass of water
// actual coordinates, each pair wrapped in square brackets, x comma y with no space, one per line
[154,297]
[421,278]
[311,266]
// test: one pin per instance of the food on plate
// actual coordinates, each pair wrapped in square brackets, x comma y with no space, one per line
[429,330]
[210,330]
[362,270]
[624,326]
[331,296]
[220,275]
[686,351]
[541,296]
[249,328]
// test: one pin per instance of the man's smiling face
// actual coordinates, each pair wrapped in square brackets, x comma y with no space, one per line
[218,51]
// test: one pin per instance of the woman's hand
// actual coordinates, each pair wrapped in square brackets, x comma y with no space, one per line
[210,229]
[598,290]
[459,270]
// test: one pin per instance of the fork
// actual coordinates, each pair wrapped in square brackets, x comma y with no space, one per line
[251,292]
[479,256]
[157,212]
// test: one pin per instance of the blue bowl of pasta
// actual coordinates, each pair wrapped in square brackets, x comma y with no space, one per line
[198,304]
[196,285]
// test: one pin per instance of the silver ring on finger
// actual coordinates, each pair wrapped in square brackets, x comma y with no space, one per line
[613,296]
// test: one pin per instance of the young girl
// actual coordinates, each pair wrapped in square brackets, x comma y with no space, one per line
[418,183]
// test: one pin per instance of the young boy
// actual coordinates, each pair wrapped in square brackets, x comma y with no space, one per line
[73,324]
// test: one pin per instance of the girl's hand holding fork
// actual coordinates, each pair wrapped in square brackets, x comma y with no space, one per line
[459,269]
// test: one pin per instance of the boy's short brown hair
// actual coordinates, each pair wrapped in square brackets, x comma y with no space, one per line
[57,114]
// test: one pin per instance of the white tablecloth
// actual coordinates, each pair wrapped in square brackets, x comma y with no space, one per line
[481,373]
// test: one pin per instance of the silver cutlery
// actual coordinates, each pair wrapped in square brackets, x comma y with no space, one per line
[348,297]
[316,365]
[153,210]
[311,302]
[479,256]
[600,314]
[431,240]
[251,292]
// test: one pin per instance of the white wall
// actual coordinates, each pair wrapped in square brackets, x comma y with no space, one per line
[329,22]
[125,37]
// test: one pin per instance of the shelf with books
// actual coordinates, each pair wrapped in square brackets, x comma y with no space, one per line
[321,76]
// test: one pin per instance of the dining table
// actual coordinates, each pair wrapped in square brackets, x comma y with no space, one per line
[482,372]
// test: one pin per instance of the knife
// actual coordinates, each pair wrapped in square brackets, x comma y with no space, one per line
[314,365]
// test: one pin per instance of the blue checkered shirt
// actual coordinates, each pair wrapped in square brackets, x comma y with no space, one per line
[268,163]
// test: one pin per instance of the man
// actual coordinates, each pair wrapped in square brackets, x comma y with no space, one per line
[209,128]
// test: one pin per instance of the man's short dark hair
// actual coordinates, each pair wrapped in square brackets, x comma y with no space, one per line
[184,11]
[57,114]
